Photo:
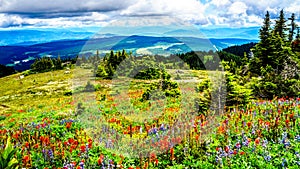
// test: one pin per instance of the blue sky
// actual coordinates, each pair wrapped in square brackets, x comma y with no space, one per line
[87,13]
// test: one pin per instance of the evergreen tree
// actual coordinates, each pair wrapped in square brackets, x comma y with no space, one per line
[293,26]
[296,43]
[6,70]
[262,50]
[58,63]
[101,72]
[280,26]
[265,30]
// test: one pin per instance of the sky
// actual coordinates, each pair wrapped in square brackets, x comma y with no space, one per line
[85,13]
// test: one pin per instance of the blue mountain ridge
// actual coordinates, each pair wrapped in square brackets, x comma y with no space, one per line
[21,56]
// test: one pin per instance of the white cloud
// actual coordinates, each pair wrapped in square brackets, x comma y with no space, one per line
[191,10]
[94,18]
[102,12]
[238,8]
[46,6]
[9,20]
[294,7]
[220,3]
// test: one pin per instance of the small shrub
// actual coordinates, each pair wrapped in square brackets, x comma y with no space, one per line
[89,87]
[68,93]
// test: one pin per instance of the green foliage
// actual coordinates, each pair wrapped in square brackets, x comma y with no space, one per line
[200,60]
[7,159]
[275,61]
[237,94]
[42,65]
[164,88]
[68,93]
[89,87]
[108,66]
[148,74]
[45,64]
[237,50]
[280,26]
[5,70]
[203,102]
[293,26]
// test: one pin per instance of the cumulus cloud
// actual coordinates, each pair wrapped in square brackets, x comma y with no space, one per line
[96,12]
[50,6]
[11,20]
[190,10]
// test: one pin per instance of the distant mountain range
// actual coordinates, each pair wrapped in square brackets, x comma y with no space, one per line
[19,48]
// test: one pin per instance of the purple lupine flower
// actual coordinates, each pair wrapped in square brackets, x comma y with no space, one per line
[246,143]
[267,158]
[50,153]
[44,153]
[154,130]
[230,153]
[264,144]
[253,131]
[81,164]
[287,143]
[162,127]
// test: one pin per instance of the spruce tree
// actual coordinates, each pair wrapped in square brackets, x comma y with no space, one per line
[262,49]
[280,26]
[293,27]
[58,64]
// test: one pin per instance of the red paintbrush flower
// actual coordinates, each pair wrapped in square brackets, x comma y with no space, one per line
[172,153]
[68,125]
[226,149]
[99,161]
[36,146]
[26,144]
[42,138]
[25,159]
[46,140]
[82,148]
[242,153]
[249,124]
[156,162]
[70,140]
[257,141]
